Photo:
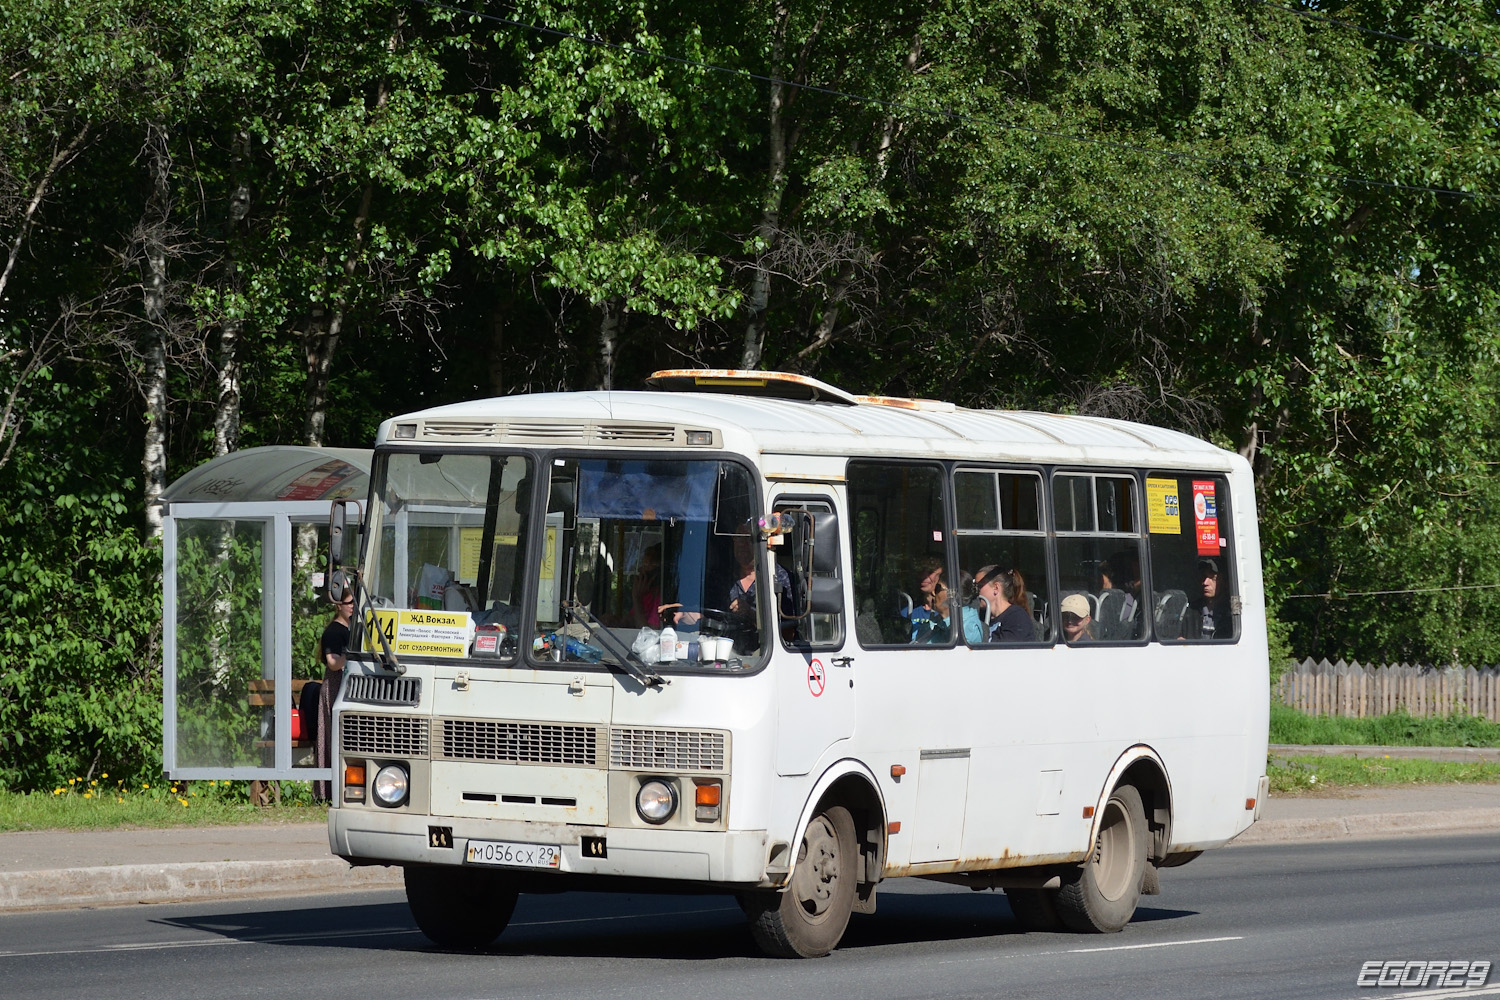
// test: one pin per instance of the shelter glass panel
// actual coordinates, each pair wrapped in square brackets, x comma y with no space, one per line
[225,660]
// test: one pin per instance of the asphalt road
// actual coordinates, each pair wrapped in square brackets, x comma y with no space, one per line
[1284,921]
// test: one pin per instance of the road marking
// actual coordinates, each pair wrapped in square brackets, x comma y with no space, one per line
[1159,944]
[1085,951]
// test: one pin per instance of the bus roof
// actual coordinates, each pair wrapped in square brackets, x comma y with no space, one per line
[829,423]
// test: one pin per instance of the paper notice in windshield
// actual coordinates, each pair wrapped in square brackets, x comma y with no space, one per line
[420,633]
[1162,508]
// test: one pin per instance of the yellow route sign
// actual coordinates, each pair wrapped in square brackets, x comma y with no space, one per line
[419,633]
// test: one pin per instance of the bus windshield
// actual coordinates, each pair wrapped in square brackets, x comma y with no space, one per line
[644,548]
[635,548]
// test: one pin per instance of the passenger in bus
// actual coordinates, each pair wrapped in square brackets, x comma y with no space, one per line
[1208,614]
[1076,620]
[928,610]
[1120,609]
[743,625]
[1007,621]
[645,593]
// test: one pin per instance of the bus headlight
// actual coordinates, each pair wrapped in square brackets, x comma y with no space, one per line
[656,801]
[391,785]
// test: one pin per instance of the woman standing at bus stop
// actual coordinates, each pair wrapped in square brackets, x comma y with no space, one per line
[331,654]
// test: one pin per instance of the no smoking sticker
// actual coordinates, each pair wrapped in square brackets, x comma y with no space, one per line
[816,681]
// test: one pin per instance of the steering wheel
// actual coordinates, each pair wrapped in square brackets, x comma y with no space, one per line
[718,616]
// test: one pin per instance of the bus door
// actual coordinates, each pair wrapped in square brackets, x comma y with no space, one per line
[814,674]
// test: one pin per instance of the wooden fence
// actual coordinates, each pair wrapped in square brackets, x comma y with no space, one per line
[1358,691]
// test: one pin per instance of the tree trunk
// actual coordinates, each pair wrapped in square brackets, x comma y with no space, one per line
[227,406]
[154,295]
[34,204]
[609,341]
[768,232]
[496,351]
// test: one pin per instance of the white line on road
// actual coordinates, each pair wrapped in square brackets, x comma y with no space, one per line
[1159,944]
[1084,951]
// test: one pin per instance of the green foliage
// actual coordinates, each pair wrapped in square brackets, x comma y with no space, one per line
[1323,775]
[1395,730]
[110,803]
[1213,216]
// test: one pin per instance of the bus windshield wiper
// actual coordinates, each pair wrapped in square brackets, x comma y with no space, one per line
[629,662]
[384,653]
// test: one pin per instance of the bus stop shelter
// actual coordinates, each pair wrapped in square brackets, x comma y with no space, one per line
[242,612]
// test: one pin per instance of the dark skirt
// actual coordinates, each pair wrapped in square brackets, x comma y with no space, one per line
[334,679]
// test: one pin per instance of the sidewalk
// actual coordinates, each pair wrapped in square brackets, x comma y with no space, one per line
[51,869]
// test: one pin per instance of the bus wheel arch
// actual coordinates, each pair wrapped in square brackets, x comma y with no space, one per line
[835,867]
[1131,832]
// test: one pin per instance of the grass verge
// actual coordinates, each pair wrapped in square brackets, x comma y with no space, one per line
[1395,730]
[1319,775]
[103,805]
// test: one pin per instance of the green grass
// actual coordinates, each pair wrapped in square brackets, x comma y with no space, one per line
[1395,730]
[1316,775]
[106,805]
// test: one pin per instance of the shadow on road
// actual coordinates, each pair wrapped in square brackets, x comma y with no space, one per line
[601,925]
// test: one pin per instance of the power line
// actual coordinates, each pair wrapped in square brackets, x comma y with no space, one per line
[1386,593]
[1389,35]
[953,116]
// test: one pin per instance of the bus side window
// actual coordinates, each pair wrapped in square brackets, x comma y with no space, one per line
[1000,524]
[814,630]
[1192,562]
[1099,554]
[900,543]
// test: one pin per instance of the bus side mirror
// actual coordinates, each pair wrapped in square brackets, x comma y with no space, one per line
[825,544]
[338,523]
[827,596]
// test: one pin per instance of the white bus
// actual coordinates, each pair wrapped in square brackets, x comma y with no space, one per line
[725,635]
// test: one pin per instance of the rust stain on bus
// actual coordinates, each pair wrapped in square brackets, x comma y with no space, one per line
[999,862]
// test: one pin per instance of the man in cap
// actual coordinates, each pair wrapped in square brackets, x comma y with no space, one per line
[1208,615]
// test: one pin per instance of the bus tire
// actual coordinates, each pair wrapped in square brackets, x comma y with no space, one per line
[459,908]
[1101,895]
[1035,909]
[808,918]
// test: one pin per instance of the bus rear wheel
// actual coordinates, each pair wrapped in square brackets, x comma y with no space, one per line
[808,919]
[460,908]
[1100,897]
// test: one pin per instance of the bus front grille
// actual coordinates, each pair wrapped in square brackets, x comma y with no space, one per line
[373,690]
[383,735]
[667,750]
[520,742]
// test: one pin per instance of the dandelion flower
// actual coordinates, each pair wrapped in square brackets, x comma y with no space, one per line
[145,786]
[88,795]
[184,803]
[57,791]
[104,775]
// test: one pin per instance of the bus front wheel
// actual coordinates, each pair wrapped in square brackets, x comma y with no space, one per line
[808,919]
[1100,897]
[459,908]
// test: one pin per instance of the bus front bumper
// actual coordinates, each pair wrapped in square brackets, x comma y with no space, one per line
[381,837]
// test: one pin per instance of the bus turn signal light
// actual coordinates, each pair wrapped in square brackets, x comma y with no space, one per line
[706,801]
[354,782]
[1249,804]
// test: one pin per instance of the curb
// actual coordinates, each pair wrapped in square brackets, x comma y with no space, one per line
[1375,825]
[76,887]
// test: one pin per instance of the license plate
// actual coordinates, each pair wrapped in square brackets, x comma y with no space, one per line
[506,854]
